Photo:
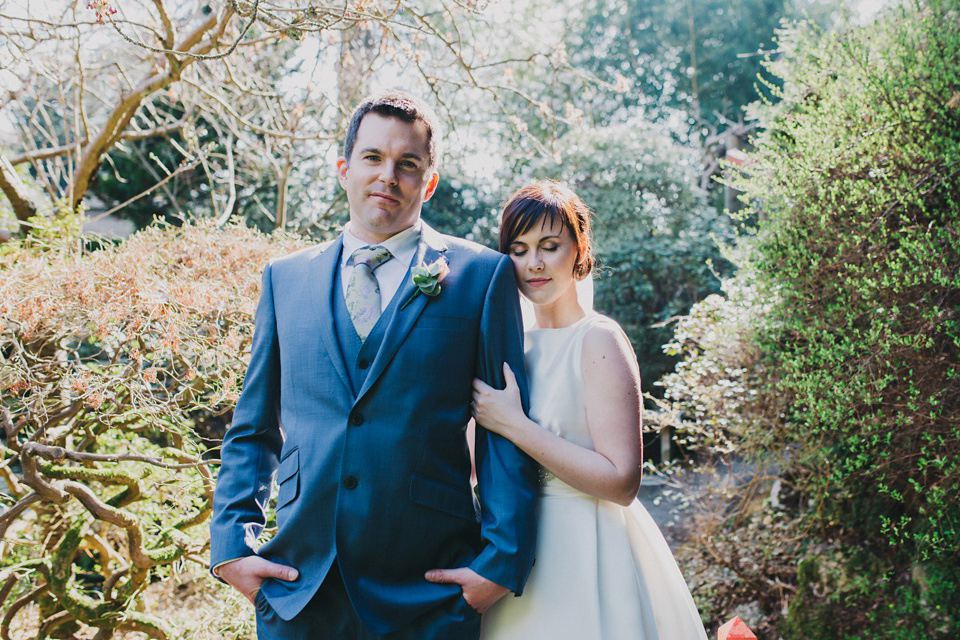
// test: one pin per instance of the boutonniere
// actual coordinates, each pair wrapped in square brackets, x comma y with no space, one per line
[427,279]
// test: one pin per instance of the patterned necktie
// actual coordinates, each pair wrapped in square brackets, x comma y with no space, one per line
[363,292]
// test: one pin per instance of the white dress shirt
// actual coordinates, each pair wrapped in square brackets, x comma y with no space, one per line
[390,274]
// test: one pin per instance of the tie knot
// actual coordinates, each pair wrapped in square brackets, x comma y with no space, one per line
[372,256]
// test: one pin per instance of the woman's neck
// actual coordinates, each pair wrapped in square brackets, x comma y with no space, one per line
[560,313]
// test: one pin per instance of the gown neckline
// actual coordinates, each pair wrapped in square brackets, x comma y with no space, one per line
[569,326]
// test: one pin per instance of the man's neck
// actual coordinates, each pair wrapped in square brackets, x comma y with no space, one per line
[369,237]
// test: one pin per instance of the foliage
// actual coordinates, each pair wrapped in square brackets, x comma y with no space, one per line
[195,606]
[889,601]
[456,207]
[117,370]
[857,212]
[744,562]
[718,396]
[691,66]
[699,57]
[655,235]
[831,366]
[134,165]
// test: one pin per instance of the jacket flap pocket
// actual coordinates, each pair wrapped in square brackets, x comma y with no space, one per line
[442,497]
[288,466]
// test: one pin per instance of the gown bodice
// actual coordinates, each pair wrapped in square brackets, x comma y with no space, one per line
[554,368]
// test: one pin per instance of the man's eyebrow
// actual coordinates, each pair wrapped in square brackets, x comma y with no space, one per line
[409,154]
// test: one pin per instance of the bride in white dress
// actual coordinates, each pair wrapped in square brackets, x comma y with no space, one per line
[603,569]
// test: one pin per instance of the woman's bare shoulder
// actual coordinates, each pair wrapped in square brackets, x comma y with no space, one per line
[607,349]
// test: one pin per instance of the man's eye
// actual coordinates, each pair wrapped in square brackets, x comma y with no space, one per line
[371,157]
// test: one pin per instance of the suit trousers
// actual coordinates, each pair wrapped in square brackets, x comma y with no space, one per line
[330,616]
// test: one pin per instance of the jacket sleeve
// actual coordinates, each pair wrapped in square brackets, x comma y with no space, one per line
[507,479]
[251,447]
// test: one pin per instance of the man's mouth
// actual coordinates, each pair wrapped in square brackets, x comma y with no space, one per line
[383,196]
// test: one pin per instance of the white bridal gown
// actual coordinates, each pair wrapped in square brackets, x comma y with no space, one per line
[603,571]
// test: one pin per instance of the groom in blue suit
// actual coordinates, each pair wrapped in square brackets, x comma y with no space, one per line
[355,403]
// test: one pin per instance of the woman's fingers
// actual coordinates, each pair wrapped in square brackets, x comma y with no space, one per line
[479,386]
[509,377]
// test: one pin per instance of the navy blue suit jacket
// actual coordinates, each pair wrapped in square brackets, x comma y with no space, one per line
[378,480]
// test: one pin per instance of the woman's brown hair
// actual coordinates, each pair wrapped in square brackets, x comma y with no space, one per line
[545,202]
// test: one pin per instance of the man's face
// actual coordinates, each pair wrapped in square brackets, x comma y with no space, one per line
[387,177]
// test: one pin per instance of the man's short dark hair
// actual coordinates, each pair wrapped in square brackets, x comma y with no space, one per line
[400,105]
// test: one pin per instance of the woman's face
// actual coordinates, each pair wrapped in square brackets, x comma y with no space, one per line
[543,259]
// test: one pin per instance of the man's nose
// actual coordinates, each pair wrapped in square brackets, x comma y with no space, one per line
[388,173]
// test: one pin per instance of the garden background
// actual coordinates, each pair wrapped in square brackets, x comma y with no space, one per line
[777,197]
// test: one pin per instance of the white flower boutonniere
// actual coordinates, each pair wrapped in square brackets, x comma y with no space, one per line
[427,278]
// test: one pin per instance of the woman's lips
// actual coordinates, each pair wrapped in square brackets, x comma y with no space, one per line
[538,282]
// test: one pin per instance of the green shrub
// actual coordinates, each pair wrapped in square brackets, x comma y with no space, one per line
[841,378]
[855,188]
[718,397]
[841,595]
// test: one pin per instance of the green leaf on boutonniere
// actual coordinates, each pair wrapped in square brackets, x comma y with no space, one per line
[427,279]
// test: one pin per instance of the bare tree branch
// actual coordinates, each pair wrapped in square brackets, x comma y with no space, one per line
[58,454]
[51,152]
[185,166]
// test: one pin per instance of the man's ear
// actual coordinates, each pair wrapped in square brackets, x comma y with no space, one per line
[342,171]
[431,186]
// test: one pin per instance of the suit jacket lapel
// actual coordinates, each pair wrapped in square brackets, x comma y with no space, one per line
[431,248]
[323,272]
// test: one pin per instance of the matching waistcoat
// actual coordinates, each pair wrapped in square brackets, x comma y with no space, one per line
[356,355]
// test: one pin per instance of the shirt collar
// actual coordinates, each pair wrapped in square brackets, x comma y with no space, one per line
[401,246]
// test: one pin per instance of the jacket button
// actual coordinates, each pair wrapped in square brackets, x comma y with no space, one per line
[350,482]
[363,364]
[356,419]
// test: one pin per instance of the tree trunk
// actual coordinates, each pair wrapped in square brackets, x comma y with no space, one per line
[283,178]
[24,203]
